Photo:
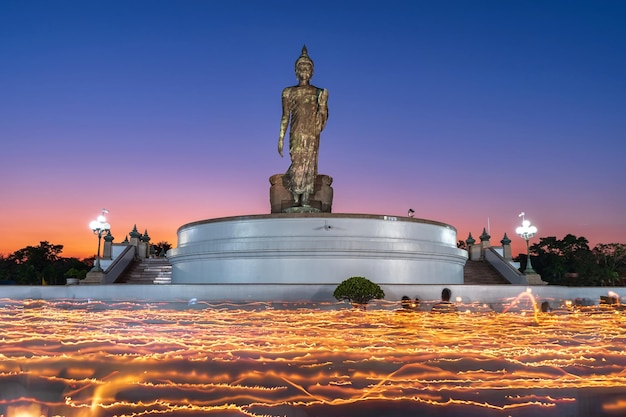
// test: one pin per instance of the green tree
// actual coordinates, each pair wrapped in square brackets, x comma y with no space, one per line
[557,260]
[74,268]
[610,259]
[33,264]
[6,268]
[161,248]
[569,261]
[358,290]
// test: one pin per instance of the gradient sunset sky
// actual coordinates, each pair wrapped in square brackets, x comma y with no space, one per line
[167,112]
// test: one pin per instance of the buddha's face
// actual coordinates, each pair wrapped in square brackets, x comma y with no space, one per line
[304,71]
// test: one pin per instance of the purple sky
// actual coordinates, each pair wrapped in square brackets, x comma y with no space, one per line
[167,112]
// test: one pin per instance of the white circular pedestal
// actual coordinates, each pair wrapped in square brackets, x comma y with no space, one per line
[316,248]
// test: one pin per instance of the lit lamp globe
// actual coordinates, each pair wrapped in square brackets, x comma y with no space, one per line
[526,231]
[99,226]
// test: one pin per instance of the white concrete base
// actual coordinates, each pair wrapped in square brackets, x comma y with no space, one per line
[534,279]
[242,293]
[316,248]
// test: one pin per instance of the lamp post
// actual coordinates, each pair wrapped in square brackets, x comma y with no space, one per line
[99,227]
[526,232]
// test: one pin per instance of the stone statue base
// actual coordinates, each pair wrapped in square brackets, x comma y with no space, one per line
[94,277]
[301,209]
[281,199]
[285,250]
[534,279]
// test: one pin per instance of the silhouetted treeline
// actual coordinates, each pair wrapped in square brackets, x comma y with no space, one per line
[37,265]
[570,261]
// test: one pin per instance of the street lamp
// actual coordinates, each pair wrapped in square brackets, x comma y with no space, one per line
[99,226]
[526,231]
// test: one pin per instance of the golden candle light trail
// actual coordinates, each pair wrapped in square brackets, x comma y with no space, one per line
[95,359]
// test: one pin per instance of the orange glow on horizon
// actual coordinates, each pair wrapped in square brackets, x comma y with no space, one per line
[19,228]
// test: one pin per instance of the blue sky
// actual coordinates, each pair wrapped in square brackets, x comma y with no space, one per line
[167,112]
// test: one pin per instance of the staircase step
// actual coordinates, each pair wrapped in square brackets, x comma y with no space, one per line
[159,272]
[481,273]
[148,271]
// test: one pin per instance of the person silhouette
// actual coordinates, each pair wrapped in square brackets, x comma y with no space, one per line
[444,306]
[408,305]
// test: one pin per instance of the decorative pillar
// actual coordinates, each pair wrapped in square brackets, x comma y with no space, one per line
[144,249]
[471,248]
[506,248]
[484,242]
[134,236]
[107,251]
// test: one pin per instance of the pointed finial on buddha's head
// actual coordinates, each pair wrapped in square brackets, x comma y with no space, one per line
[304,56]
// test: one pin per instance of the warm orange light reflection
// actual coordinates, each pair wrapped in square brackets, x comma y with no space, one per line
[30,410]
[91,359]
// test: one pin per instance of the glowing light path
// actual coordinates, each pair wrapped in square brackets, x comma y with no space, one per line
[71,358]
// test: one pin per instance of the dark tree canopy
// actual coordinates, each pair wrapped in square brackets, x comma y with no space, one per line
[161,248]
[34,265]
[570,261]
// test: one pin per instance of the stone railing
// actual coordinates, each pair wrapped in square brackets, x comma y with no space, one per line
[119,265]
[504,268]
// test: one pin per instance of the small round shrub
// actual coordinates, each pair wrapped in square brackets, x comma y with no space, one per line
[358,290]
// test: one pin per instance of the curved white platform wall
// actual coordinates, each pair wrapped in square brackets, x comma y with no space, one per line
[316,248]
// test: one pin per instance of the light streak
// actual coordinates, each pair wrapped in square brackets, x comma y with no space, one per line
[93,359]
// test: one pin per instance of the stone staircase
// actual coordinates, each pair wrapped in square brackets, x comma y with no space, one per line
[481,273]
[159,271]
[148,271]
